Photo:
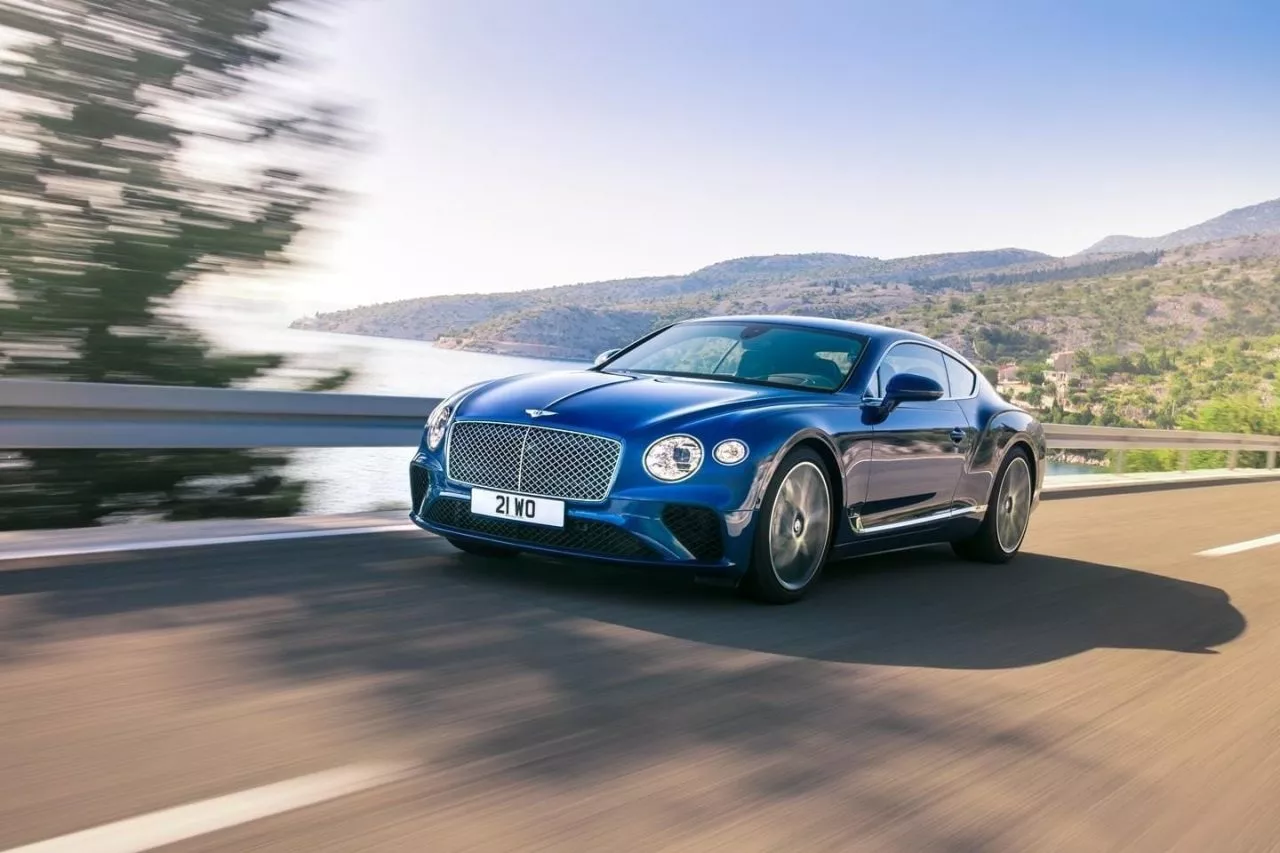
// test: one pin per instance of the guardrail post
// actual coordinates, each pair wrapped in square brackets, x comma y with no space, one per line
[1184,460]
[1271,460]
[1232,456]
[1119,466]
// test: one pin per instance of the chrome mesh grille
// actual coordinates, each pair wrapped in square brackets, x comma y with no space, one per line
[486,455]
[552,463]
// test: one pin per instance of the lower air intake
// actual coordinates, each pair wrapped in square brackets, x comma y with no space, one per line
[697,528]
[419,484]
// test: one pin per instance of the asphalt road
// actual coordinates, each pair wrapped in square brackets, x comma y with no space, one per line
[1110,690]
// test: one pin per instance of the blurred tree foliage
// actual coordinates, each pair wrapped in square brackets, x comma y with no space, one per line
[1239,413]
[147,144]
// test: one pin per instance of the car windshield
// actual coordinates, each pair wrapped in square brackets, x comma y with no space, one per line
[758,353]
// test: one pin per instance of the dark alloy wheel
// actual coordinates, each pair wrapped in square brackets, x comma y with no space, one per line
[793,530]
[1000,537]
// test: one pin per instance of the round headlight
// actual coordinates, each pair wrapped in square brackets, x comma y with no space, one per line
[730,452]
[437,423]
[673,458]
[442,414]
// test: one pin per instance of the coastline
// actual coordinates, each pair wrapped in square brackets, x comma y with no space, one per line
[1075,459]
[517,349]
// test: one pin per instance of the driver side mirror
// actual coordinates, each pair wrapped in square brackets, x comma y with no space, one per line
[909,388]
[605,356]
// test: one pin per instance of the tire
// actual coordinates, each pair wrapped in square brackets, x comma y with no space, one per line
[793,531]
[1004,528]
[483,549]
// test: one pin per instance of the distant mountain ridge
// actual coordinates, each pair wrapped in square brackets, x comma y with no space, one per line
[1259,219]
[579,320]
[431,317]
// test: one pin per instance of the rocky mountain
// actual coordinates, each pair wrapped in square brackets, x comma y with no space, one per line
[1119,295]
[1258,219]
[457,317]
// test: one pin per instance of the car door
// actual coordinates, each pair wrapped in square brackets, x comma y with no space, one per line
[918,448]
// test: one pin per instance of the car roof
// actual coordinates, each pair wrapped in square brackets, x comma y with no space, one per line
[869,330]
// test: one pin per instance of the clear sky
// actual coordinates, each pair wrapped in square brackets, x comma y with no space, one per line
[521,143]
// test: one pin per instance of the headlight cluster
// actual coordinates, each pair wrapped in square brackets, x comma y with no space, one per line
[438,421]
[436,425]
[678,457]
[673,458]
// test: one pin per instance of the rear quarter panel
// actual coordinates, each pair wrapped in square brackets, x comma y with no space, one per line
[999,426]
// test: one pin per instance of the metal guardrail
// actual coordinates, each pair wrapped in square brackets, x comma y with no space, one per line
[1120,440]
[40,414]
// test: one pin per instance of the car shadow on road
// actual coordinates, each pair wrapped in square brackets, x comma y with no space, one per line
[921,608]
[911,608]
[605,682]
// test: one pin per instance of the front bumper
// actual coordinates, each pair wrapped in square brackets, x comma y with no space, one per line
[680,530]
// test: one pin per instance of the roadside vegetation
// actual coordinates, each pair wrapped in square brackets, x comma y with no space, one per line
[148,148]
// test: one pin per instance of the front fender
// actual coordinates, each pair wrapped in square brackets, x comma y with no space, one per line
[773,431]
[767,466]
[730,489]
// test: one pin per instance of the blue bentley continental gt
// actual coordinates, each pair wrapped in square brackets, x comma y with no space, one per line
[745,450]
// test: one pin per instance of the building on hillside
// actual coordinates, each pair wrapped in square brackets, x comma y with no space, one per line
[1007,373]
[1060,365]
[1012,390]
[1062,362]
[1059,380]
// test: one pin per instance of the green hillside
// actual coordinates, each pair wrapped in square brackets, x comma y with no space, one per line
[1186,336]
[461,316]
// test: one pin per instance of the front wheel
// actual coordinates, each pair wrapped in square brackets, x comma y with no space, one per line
[1000,537]
[793,531]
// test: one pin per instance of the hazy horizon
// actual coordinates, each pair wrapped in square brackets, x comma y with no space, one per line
[517,146]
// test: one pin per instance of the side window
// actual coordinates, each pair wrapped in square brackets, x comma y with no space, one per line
[963,380]
[909,358]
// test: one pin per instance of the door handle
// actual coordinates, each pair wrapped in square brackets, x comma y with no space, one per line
[957,435]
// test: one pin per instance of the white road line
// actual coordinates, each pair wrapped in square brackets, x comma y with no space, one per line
[116,547]
[168,826]
[1241,546]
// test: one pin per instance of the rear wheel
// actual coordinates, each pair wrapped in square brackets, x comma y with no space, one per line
[482,549]
[793,531]
[1000,537]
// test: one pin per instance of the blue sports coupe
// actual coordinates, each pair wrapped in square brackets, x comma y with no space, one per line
[745,450]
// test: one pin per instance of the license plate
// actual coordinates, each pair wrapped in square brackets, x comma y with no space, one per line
[544,511]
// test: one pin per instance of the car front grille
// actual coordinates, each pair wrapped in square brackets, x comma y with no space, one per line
[532,460]
[579,535]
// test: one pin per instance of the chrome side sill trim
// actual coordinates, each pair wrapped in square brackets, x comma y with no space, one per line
[945,515]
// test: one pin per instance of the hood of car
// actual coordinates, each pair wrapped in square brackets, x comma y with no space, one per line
[616,403]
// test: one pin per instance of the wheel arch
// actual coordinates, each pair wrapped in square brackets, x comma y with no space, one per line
[835,478]
[761,580]
[1006,430]
[1023,443]
[823,444]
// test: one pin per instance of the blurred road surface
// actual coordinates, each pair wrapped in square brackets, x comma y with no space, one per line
[1113,689]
